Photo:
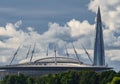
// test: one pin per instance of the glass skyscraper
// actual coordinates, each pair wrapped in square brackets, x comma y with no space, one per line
[99,55]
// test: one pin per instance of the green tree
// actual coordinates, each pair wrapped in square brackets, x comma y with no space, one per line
[30,80]
[70,77]
[11,79]
[21,79]
[14,79]
[89,77]
[116,80]
[107,76]
[118,74]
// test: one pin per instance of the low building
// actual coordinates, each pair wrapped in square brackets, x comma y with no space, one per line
[48,65]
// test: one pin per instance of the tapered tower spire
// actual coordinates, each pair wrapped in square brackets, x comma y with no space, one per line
[99,56]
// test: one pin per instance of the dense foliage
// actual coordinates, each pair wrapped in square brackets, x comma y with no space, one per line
[69,77]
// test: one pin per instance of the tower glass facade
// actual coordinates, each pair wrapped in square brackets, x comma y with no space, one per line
[99,56]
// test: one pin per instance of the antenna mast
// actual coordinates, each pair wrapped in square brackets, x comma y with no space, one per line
[14,55]
[66,51]
[28,52]
[32,53]
[76,53]
[87,54]
[47,52]
[55,54]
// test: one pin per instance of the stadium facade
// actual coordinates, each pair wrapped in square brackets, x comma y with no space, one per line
[56,64]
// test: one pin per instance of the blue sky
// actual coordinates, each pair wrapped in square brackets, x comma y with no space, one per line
[60,22]
[39,13]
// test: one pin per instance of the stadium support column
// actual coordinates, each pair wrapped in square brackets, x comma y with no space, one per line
[99,56]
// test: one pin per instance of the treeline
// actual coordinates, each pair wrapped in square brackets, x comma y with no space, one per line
[69,77]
